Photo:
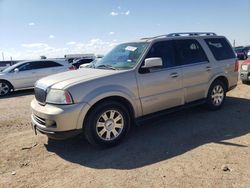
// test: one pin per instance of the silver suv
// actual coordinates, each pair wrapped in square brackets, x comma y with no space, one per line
[134,81]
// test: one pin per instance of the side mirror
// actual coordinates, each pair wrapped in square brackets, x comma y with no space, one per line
[16,70]
[153,62]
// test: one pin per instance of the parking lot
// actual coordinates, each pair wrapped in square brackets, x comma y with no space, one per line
[190,148]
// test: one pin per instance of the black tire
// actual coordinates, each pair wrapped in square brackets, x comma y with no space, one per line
[210,101]
[5,88]
[245,82]
[95,115]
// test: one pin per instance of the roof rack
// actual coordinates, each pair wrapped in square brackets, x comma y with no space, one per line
[191,34]
[182,34]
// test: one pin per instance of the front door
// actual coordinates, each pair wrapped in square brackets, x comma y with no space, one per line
[161,88]
[25,76]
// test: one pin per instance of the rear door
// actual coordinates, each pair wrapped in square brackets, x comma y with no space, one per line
[197,70]
[161,88]
[46,68]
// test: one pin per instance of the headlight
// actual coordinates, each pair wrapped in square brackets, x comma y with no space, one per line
[244,67]
[56,96]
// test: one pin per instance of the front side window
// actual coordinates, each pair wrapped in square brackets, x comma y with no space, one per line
[124,56]
[25,67]
[189,51]
[164,50]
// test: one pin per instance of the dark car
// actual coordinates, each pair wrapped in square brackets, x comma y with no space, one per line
[241,53]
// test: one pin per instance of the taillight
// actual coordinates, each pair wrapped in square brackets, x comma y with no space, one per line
[72,67]
[236,66]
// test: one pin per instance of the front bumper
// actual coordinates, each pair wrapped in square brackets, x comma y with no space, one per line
[245,76]
[58,121]
[56,135]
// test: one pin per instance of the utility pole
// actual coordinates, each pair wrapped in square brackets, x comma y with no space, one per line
[3,56]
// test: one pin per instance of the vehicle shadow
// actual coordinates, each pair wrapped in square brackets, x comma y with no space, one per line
[18,93]
[162,138]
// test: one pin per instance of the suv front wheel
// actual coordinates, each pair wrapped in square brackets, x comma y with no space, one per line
[107,124]
[216,95]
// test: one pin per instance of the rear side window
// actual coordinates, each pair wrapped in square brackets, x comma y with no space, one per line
[220,48]
[48,64]
[189,51]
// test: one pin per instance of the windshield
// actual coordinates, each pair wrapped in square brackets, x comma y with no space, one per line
[123,56]
[8,69]
[239,50]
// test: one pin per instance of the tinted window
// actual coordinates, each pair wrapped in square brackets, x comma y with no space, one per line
[220,48]
[38,65]
[189,51]
[47,64]
[25,67]
[164,50]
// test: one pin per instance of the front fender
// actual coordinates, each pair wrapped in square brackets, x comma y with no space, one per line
[111,91]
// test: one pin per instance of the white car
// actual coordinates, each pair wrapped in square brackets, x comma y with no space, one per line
[89,65]
[24,74]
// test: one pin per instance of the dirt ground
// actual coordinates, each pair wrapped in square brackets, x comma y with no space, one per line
[190,148]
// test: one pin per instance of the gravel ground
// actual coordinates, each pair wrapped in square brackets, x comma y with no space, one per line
[190,148]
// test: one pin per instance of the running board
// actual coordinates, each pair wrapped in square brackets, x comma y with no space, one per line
[141,119]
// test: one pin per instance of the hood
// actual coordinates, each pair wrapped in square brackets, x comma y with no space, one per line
[247,61]
[62,80]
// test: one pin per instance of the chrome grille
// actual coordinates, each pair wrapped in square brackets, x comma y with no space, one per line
[39,120]
[40,95]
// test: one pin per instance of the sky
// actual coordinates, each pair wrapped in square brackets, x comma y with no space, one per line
[31,28]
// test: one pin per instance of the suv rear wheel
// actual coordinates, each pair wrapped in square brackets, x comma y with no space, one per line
[216,95]
[5,88]
[107,124]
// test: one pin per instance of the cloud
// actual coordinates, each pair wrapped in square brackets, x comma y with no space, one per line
[31,24]
[111,33]
[35,50]
[114,13]
[127,13]
[35,45]
[51,36]
[71,43]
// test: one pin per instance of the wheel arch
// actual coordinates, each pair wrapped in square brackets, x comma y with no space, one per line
[116,98]
[222,78]
[12,87]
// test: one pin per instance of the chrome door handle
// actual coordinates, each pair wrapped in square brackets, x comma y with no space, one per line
[174,75]
[209,68]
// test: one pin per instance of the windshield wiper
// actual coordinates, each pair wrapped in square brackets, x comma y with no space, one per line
[106,66]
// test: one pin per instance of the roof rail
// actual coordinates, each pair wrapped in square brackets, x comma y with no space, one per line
[182,34]
[191,34]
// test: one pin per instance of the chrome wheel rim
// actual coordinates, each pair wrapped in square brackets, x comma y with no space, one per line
[217,95]
[4,88]
[109,125]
